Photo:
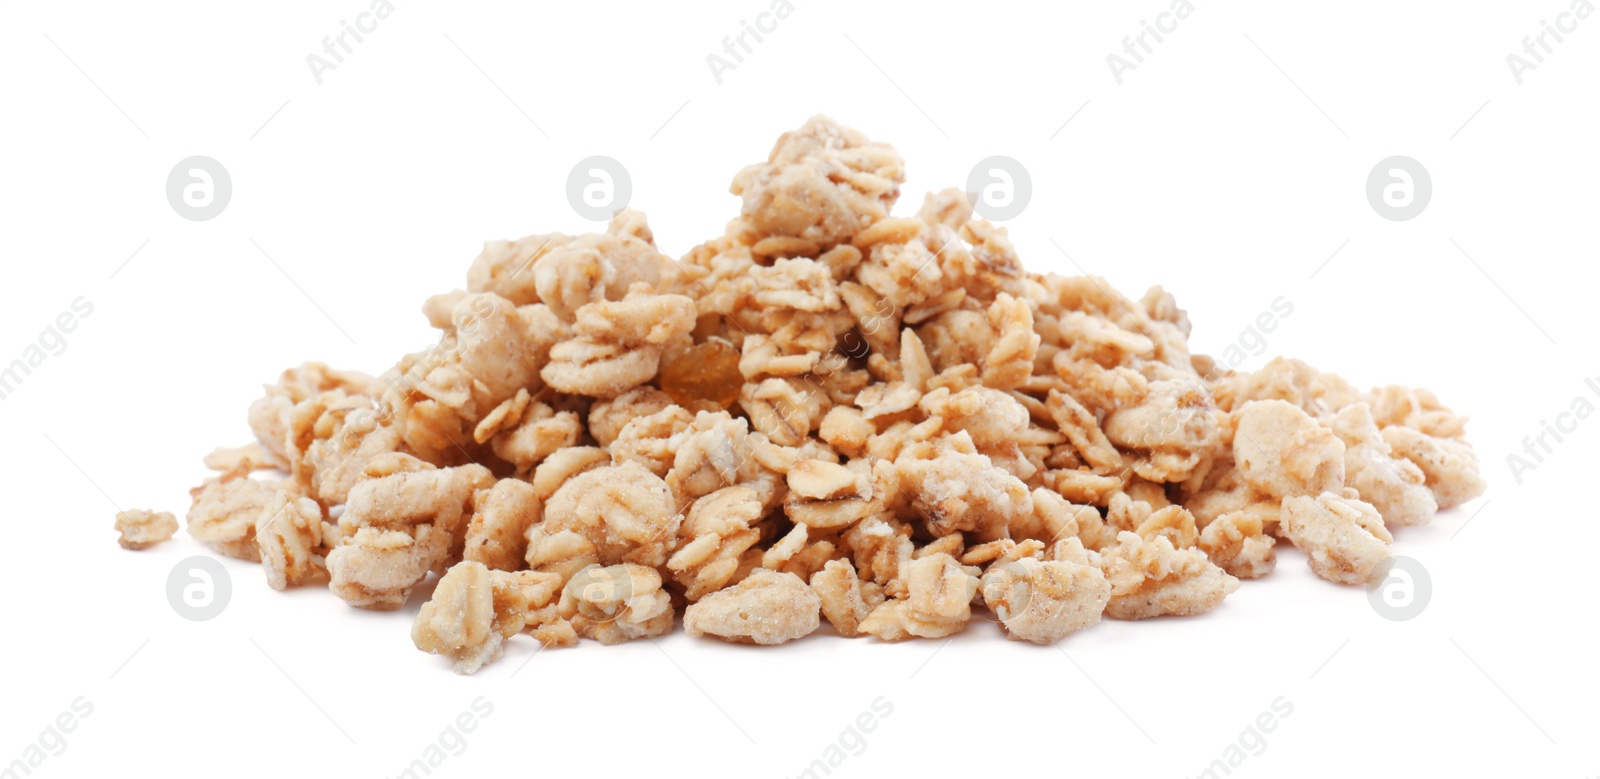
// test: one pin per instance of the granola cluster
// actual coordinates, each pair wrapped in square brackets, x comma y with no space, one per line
[829,414]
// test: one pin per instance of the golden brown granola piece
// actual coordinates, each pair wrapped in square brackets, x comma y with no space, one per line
[618,345]
[716,532]
[1394,486]
[1153,579]
[822,183]
[475,609]
[538,432]
[1317,393]
[269,415]
[405,519]
[846,600]
[142,528]
[651,440]
[1449,467]
[1415,408]
[566,272]
[1343,537]
[937,602]
[1237,542]
[290,539]
[617,603]
[497,535]
[955,488]
[225,510]
[828,496]
[252,456]
[1169,432]
[1173,523]
[1083,430]
[1044,601]
[767,607]
[608,417]
[625,511]
[1282,452]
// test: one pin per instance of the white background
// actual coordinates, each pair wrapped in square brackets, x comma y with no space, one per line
[1207,171]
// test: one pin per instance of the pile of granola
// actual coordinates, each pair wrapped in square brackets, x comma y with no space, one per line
[826,413]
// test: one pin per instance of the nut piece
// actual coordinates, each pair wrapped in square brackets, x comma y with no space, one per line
[142,528]
[1153,579]
[617,603]
[1344,538]
[1044,601]
[766,608]
[474,610]
[1283,452]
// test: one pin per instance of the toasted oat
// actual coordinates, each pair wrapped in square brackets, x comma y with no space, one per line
[474,609]
[1045,601]
[142,528]
[1153,578]
[616,603]
[1344,537]
[766,608]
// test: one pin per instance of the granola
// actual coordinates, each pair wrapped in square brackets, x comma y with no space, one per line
[826,412]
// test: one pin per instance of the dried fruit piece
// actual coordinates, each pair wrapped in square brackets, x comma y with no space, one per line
[707,373]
